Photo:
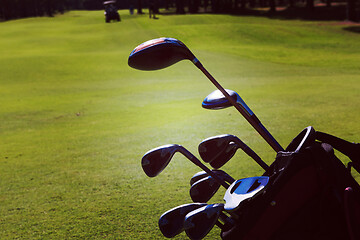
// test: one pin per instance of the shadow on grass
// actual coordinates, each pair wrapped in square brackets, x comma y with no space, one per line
[337,12]
[318,13]
[354,29]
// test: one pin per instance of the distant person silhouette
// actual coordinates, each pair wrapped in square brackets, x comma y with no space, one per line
[151,10]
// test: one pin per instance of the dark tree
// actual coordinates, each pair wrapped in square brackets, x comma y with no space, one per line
[310,4]
[291,3]
[272,5]
[180,7]
[328,3]
[194,6]
[156,6]
[243,4]
[12,9]
[139,7]
[351,10]
[215,6]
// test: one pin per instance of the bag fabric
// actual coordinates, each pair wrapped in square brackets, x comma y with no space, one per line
[310,195]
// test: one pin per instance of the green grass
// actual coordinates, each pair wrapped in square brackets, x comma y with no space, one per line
[76,120]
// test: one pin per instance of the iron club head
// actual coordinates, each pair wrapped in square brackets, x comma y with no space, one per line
[222,174]
[218,150]
[156,160]
[204,189]
[199,222]
[171,223]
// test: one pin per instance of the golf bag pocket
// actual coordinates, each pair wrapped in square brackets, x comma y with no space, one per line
[305,198]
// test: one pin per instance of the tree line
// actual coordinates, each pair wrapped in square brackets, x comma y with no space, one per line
[12,9]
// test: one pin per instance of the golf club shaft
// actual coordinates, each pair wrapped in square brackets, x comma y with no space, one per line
[252,119]
[251,153]
[197,162]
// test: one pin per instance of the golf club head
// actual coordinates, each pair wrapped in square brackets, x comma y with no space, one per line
[156,160]
[158,54]
[212,147]
[225,156]
[171,223]
[197,176]
[204,189]
[218,150]
[243,189]
[199,222]
[217,100]
[222,174]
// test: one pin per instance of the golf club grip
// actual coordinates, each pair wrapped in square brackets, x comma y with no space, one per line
[252,154]
[252,119]
[198,163]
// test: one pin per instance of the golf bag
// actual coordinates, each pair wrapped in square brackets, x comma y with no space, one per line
[310,194]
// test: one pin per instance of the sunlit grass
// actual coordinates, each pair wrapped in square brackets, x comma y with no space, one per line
[76,120]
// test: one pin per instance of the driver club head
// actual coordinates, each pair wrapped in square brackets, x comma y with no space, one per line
[158,54]
[171,223]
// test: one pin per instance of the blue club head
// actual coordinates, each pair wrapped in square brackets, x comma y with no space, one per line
[216,100]
[243,189]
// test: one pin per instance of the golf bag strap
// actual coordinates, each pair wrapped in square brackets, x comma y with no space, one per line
[352,150]
[352,213]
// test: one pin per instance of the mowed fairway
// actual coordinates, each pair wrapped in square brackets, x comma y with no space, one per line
[75,120]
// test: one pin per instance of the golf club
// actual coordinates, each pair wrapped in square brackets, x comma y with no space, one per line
[243,189]
[199,222]
[171,223]
[218,150]
[217,100]
[155,161]
[202,174]
[163,52]
[204,189]
[203,186]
